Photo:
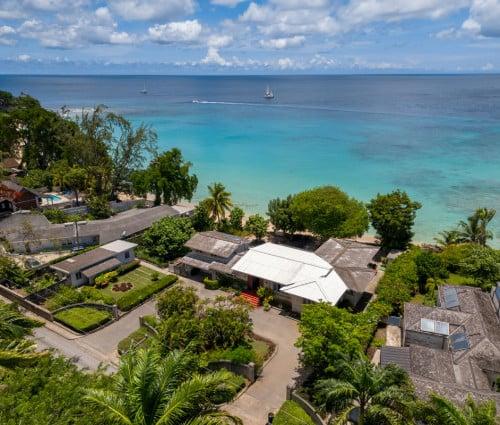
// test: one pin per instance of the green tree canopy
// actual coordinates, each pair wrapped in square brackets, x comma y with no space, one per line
[392,216]
[329,212]
[170,179]
[165,239]
[280,215]
[257,226]
[475,229]
[236,219]
[76,180]
[201,218]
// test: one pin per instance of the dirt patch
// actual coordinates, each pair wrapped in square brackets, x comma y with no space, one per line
[122,287]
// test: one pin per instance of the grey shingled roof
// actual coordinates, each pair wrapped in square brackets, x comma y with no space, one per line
[110,264]
[456,373]
[84,261]
[395,355]
[216,243]
[350,259]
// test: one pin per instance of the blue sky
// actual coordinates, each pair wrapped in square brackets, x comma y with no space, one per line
[247,37]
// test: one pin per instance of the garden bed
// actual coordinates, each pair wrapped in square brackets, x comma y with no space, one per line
[137,339]
[83,319]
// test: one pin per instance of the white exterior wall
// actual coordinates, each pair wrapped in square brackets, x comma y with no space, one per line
[77,282]
[121,256]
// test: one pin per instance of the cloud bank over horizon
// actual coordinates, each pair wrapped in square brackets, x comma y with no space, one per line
[241,36]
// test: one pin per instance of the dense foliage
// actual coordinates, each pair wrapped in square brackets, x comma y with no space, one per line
[218,202]
[392,216]
[201,218]
[291,413]
[328,212]
[280,215]
[257,226]
[165,239]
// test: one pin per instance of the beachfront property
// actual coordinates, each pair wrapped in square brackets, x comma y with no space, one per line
[452,349]
[210,253]
[15,197]
[84,268]
[44,235]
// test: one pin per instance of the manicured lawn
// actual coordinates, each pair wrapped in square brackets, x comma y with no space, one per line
[83,319]
[457,279]
[262,351]
[140,277]
[291,413]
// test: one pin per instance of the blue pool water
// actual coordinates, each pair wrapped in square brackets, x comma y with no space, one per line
[437,137]
[54,198]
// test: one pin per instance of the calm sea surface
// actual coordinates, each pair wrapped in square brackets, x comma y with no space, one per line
[437,137]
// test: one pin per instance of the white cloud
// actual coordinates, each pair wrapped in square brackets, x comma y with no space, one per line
[487,67]
[185,32]
[23,58]
[227,3]
[213,57]
[6,30]
[219,41]
[484,18]
[145,10]
[286,63]
[283,43]
[322,61]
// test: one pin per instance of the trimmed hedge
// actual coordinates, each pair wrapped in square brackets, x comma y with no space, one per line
[211,283]
[130,300]
[83,319]
[128,266]
[291,413]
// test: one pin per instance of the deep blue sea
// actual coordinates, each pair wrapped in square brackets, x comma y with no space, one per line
[437,137]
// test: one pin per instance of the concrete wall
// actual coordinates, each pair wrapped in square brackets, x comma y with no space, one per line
[291,394]
[28,305]
[248,371]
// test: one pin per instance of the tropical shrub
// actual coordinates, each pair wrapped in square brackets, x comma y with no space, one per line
[429,265]
[236,219]
[65,295]
[177,301]
[201,218]
[55,215]
[280,215]
[131,299]
[257,226]
[99,207]
[127,267]
[211,283]
[155,276]
[92,294]
[105,279]
[10,271]
[482,264]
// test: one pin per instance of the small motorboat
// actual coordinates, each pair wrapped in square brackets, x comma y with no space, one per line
[268,94]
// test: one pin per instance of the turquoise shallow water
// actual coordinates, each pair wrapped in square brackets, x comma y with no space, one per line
[438,137]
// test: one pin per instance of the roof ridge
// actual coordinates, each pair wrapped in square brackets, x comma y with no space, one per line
[293,259]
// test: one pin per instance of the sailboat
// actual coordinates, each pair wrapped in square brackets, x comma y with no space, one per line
[268,94]
[144,90]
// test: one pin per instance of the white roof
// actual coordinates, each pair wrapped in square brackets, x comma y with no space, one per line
[119,246]
[303,272]
[329,289]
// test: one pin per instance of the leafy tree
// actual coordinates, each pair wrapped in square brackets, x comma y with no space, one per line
[169,177]
[280,215]
[37,178]
[49,392]
[257,225]
[141,183]
[392,216]
[328,212]
[429,265]
[483,264]
[165,239]
[383,396]
[75,179]
[176,301]
[441,411]
[10,271]
[325,331]
[219,201]
[55,215]
[448,237]
[475,229]
[58,171]
[150,389]
[99,207]
[201,217]
[236,219]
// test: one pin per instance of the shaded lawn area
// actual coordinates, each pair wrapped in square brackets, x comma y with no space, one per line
[83,319]
[291,413]
[140,277]
[137,339]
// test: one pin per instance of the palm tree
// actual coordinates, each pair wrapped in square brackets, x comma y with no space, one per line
[153,390]
[219,201]
[475,228]
[441,411]
[374,394]
[14,351]
[449,237]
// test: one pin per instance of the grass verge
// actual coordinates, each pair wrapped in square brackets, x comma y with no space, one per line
[291,413]
[83,319]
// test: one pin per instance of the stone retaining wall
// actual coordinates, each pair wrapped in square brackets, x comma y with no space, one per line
[248,371]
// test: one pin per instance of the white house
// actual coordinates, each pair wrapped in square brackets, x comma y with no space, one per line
[298,277]
[84,268]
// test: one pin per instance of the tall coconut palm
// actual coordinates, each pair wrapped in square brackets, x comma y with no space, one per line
[475,229]
[373,394]
[449,237]
[219,201]
[153,390]
[441,411]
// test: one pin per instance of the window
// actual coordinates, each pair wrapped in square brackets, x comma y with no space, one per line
[127,254]
[78,275]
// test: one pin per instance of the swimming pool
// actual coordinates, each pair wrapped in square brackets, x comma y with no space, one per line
[53,198]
